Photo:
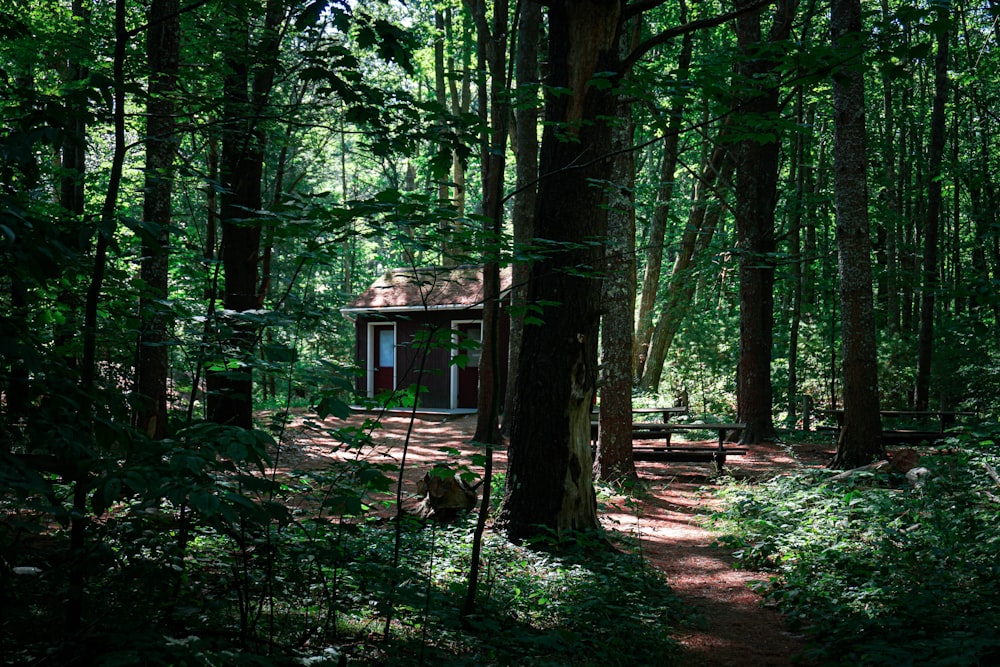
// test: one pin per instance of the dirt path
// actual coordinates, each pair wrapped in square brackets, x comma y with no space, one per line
[669,523]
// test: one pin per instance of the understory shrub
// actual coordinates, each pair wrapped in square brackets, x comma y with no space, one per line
[312,589]
[876,571]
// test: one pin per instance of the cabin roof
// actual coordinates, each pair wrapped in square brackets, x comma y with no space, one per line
[429,288]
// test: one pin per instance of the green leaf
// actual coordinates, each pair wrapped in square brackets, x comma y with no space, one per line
[310,16]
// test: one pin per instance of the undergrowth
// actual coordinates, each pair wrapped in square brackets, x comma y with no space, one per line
[875,570]
[301,587]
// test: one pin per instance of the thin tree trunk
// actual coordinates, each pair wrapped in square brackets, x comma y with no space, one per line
[492,47]
[461,101]
[73,180]
[88,367]
[797,177]
[526,152]
[163,54]
[932,221]
[230,399]
[703,218]
[664,202]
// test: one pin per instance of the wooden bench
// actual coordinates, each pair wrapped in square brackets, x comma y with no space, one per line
[905,436]
[678,452]
[898,436]
[945,418]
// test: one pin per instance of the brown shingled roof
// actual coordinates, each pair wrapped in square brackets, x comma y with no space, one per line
[431,287]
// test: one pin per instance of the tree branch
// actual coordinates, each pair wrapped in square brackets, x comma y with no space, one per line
[700,24]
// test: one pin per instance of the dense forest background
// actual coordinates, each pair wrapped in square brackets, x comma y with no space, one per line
[189,193]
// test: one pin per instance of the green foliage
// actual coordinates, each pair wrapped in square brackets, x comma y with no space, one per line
[199,558]
[876,571]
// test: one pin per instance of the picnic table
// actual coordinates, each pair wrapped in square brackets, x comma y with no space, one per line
[665,413]
[645,431]
[908,436]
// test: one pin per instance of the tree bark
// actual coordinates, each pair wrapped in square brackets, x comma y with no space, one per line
[861,437]
[83,454]
[614,446]
[549,481]
[163,55]
[756,195]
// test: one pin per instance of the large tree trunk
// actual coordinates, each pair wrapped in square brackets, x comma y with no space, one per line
[163,54]
[526,152]
[756,195]
[861,437]
[614,448]
[549,480]
[932,221]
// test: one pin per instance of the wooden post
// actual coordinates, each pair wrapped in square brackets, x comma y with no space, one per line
[806,412]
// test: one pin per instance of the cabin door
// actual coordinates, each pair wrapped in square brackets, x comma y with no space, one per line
[467,379]
[383,358]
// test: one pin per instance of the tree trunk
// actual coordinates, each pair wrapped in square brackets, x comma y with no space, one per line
[797,178]
[492,48]
[549,481]
[932,221]
[72,181]
[614,447]
[703,219]
[664,201]
[461,101]
[246,87]
[526,152]
[861,437]
[163,54]
[83,456]
[756,193]
[74,146]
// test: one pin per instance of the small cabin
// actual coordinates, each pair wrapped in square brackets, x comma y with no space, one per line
[404,307]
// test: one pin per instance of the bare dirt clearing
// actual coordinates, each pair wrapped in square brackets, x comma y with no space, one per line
[668,521]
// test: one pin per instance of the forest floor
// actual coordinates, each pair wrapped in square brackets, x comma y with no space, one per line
[669,518]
